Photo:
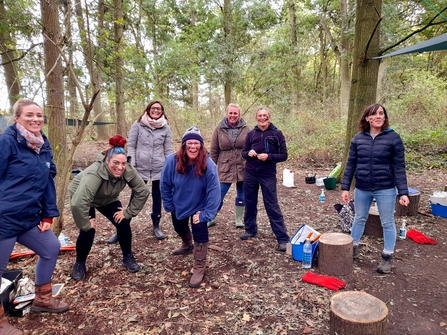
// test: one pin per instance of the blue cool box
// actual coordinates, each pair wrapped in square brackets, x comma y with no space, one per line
[439,210]
[297,242]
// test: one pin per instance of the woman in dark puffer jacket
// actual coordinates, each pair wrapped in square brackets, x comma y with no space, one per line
[377,161]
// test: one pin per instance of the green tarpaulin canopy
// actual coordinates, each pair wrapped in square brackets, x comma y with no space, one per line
[433,44]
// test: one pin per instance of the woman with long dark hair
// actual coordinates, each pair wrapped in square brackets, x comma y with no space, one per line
[190,190]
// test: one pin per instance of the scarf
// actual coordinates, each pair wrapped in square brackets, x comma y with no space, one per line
[33,141]
[151,123]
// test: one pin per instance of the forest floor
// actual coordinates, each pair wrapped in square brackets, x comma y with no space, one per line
[250,287]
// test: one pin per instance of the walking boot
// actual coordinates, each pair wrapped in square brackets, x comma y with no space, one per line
[239,214]
[5,327]
[186,246]
[211,223]
[156,224]
[200,251]
[44,301]
[355,252]
[113,239]
[386,264]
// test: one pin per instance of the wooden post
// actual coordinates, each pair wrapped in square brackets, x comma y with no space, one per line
[373,226]
[357,313]
[335,254]
[411,209]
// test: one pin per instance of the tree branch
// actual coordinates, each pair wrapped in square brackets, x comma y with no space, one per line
[24,53]
[429,24]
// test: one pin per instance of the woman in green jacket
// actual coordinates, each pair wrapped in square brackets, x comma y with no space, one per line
[98,188]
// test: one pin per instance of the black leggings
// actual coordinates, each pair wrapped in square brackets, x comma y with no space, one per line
[85,239]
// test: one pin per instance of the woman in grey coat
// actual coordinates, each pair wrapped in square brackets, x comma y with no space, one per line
[148,145]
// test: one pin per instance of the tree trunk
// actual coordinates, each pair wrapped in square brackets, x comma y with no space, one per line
[345,75]
[227,63]
[294,43]
[97,74]
[93,65]
[9,66]
[364,72]
[119,71]
[71,86]
[55,101]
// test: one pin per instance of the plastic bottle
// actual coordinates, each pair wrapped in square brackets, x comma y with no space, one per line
[62,240]
[322,196]
[307,254]
[403,230]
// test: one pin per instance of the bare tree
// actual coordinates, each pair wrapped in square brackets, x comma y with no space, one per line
[55,99]
[119,70]
[7,56]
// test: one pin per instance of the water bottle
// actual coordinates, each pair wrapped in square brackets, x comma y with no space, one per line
[403,230]
[62,240]
[322,196]
[307,254]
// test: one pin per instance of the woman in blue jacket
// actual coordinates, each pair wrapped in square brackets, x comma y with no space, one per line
[28,203]
[377,161]
[190,190]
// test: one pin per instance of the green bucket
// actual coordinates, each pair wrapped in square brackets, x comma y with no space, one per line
[330,183]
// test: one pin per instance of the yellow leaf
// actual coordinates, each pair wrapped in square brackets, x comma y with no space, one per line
[246,317]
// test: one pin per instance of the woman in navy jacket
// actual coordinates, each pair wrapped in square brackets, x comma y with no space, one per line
[264,146]
[377,161]
[28,202]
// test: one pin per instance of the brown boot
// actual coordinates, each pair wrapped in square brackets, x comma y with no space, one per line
[200,251]
[5,327]
[186,246]
[44,301]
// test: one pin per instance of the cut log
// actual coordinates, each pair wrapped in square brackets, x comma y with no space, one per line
[373,226]
[411,209]
[357,313]
[335,254]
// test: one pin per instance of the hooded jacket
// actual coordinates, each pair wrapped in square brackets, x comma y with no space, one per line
[376,163]
[96,186]
[148,149]
[270,141]
[226,154]
[27,190]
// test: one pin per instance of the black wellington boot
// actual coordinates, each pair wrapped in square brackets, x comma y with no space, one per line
[156,223]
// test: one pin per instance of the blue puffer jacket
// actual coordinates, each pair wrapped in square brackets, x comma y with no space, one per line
[270,141]
[27,191]
[376,164]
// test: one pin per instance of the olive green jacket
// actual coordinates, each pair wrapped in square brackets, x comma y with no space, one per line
[96,186]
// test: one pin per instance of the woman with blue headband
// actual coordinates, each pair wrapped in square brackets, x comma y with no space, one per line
[98,188]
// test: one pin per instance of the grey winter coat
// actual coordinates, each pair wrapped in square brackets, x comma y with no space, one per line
[226,154]
[148,149]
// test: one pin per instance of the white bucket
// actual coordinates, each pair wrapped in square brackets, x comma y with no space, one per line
[288,177]
[320,181]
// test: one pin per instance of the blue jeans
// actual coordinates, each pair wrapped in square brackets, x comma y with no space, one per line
[224,187]
[385,200]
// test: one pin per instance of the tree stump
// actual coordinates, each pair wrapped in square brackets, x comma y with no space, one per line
[335,254]
[411,209]
[373,226]
[357,313]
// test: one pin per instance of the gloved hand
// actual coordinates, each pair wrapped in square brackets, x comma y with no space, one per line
[326,281]
[420,238]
